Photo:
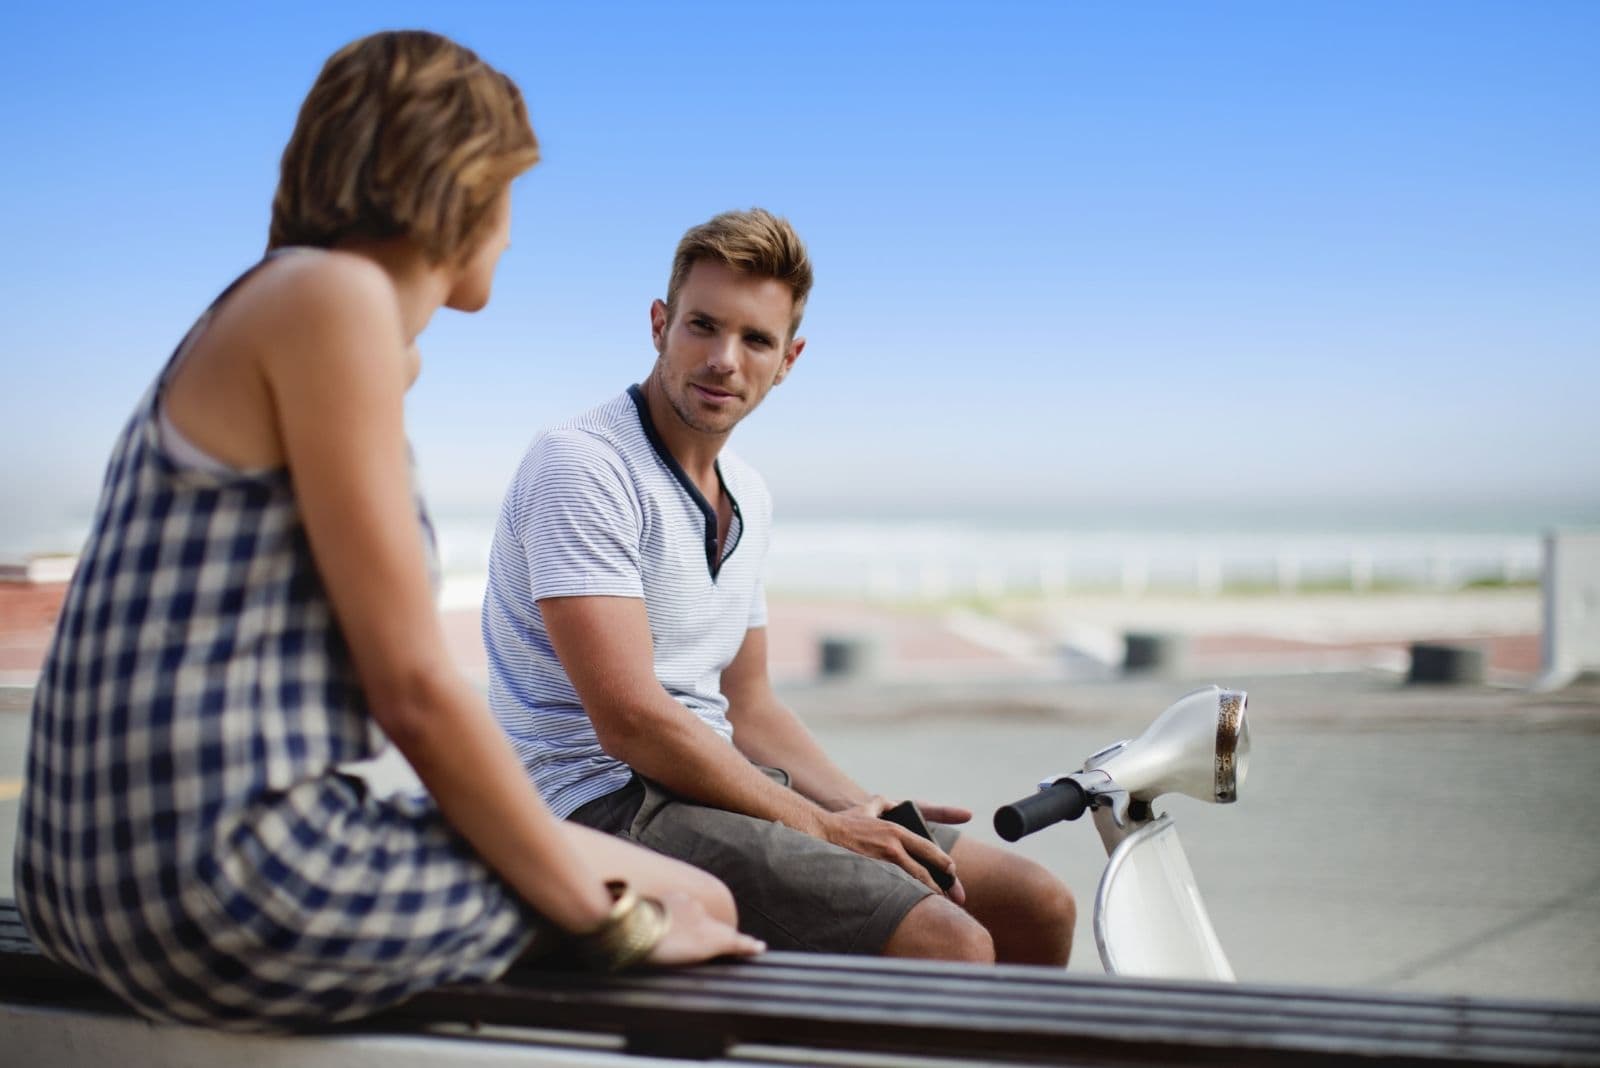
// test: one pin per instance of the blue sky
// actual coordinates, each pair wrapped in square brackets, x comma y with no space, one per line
[1320,254]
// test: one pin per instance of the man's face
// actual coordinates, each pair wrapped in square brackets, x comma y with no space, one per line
[726,344]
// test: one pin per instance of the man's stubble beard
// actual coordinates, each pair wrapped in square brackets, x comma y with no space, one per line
[683,404]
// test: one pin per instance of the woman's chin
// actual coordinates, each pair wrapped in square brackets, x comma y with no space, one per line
[475,300]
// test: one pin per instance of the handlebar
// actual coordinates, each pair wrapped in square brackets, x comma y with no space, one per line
[1061,800]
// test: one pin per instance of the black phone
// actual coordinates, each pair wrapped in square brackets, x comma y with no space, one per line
[906,815]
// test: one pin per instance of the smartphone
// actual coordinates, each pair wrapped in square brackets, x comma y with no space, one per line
[906,815]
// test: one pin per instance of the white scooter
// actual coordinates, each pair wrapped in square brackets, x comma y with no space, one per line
[1149,920]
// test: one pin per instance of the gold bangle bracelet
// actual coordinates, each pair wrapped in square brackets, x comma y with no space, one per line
[631,930]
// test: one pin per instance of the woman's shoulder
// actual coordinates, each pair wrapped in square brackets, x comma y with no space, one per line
[328,280]
[301,299]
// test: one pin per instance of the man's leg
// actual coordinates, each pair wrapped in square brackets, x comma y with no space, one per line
[937,929]
[1028,912]
[796,892]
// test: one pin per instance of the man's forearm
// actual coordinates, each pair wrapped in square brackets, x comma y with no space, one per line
[768,732]
[669,744]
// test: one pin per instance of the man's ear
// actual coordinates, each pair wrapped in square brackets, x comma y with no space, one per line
[789,357]
[659,320]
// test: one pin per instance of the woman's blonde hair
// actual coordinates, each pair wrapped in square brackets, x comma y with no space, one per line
[404,133]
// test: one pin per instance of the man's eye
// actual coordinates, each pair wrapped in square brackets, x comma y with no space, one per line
[700,324]
[760,341]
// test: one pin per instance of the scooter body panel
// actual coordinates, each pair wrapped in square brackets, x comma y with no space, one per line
[1149,919]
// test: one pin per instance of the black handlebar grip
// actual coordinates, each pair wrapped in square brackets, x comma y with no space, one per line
[1063,800]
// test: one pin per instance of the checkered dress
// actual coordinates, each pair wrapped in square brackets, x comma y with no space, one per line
[185,835]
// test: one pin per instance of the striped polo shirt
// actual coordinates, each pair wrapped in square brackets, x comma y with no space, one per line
[599,508]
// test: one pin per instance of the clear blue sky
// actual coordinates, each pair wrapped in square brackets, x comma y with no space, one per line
[1066,253]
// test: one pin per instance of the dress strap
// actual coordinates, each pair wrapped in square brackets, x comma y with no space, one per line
[200,324]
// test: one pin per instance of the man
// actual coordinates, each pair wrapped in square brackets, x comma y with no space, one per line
[626,628]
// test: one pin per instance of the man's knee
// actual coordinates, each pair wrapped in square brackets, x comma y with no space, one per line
[937,929]
[1050,900]
[1048,914]
[1058,912]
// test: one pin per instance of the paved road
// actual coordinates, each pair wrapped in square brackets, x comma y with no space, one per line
[1436,841]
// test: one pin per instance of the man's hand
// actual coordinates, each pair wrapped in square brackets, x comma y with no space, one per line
[943,813]
[860,830]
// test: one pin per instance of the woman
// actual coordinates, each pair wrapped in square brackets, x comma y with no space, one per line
[255,600]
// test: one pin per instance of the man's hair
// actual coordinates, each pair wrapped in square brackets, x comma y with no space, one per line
[403,134]
[754,242]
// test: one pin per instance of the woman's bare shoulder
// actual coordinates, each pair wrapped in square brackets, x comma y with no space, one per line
[306,300]
[325,281]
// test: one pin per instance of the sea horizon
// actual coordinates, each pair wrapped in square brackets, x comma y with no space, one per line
[1256,516]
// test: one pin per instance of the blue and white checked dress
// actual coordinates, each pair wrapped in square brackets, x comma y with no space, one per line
[185,835]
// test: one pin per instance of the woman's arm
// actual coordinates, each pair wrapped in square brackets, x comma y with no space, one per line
[329,345]
[337,370]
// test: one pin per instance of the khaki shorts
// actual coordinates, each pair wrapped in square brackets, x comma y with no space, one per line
[794,891]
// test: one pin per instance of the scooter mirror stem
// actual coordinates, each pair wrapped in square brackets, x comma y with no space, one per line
[1116,816]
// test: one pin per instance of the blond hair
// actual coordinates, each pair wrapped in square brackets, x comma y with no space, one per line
[404,133]
[754,242]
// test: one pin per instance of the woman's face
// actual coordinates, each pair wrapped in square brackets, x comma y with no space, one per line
[475,277]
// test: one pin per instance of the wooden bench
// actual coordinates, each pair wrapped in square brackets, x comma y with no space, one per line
[862,1009]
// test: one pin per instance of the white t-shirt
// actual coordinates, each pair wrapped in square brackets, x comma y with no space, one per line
[600,508]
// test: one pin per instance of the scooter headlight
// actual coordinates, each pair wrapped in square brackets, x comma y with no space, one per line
[1233,744]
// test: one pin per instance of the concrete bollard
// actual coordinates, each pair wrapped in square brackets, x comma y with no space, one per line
[1153,654]
[1571,586]
[851,656]
[1434,662]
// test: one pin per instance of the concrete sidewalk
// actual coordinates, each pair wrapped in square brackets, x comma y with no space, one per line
[1079,637]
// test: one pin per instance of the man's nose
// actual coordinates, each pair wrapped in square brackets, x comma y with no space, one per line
[724,356]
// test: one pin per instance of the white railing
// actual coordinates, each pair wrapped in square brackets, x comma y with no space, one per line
[913,561]
[932,563]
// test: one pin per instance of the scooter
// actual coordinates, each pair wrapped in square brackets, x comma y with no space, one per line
[1149,919]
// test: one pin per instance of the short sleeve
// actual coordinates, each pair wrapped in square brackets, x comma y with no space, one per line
[578,519]
[758,607]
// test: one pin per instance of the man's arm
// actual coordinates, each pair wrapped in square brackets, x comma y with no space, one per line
[605,648]
[766,731]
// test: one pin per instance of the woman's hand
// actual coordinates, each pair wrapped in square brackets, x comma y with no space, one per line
[693,935]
